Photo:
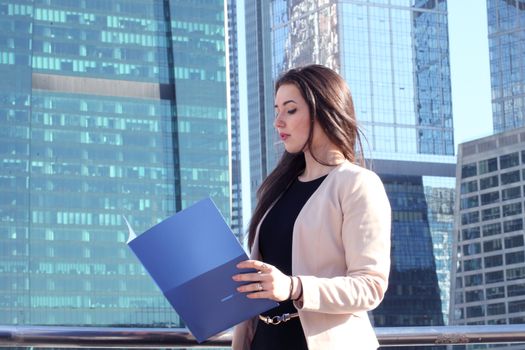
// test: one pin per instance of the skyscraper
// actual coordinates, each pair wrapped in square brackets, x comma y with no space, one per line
[263,155]
[394,56]
[489,262]
[506,23]
[489,278]
[235,118]
[107,108]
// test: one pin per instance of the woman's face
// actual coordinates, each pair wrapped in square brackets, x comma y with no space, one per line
[292,118]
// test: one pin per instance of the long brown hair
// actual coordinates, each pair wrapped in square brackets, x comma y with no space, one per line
[330,102]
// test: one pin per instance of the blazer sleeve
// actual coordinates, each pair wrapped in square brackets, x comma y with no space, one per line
[365,234]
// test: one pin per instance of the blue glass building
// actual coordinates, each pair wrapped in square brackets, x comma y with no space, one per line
[394,56]
[235,118]
[506,24]
[107,108]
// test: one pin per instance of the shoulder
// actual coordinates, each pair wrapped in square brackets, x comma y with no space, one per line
[352,183]
[351,175]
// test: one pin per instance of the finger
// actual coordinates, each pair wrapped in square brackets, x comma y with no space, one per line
[255,264]
[260,295]
[252,287]
[250,277]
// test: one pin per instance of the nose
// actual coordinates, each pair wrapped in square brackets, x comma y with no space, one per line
[278,122]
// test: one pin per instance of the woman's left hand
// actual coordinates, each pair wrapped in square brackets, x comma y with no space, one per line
[267,283]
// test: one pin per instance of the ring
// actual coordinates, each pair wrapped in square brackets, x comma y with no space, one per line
[263,266]
[259,286]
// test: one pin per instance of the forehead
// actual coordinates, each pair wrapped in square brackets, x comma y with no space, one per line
[288,92]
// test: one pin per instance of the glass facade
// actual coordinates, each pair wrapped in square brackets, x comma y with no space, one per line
[489,260]
[108,109]
[506,24]
[236,214]
[394,56]
[413,272]
[264,146]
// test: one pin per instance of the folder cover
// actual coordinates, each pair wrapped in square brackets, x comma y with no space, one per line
[192,257]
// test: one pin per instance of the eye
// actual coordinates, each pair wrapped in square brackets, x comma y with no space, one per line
[292,111]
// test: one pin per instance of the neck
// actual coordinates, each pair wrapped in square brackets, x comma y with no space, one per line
[327,160]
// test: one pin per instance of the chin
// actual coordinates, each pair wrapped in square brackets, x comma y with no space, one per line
[292,150]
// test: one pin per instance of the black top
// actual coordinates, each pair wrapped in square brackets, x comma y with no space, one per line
[275,246]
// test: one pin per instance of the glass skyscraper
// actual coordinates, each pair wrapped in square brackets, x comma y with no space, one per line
[235,117]
[394,56]
[506,24]
[263,155]
[107,109]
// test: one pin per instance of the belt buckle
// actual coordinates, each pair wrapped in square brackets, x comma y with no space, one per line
[275,320]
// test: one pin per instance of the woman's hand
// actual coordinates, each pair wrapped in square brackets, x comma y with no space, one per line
[267,283]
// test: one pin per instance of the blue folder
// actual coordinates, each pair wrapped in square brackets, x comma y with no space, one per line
[192,257]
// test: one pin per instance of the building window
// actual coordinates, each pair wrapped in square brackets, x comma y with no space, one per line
[474,295]
[515,290]
[516,273]
[470,233]
[488,165]
[494,277]
[510,193]
[511,209]
[470,218]
[513,225]
[515,257]
[493,261]
[490,213]
[510,177]
[471,186]
[490,198]
[495,309]
[517,306]
[459,313]
[493,245]
[468,170]
[475,311]
[514,241]
[471,249]
[495,292]
[472,264]
[469,202]
[517,320]
[509,160]
[488,182]
[491,229]
[473,280]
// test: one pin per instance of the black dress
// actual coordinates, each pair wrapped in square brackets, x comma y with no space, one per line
[275,246]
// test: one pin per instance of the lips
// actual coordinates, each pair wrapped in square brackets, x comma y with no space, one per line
[284,136]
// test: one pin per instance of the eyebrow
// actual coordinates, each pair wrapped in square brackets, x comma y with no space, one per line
[286,102]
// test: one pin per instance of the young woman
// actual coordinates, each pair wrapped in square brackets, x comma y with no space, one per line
[320,234]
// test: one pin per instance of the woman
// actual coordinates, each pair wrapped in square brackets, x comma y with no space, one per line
[320,234]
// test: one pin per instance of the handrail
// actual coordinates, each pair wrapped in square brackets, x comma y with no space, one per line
[80,337]
[108,337]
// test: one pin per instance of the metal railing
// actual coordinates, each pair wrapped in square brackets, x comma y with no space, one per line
[92,337]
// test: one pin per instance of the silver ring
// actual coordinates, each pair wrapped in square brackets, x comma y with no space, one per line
[259,286]
[263,266]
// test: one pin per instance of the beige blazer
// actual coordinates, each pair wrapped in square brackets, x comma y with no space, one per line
[341,252]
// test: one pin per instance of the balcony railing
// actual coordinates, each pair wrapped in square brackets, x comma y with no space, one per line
[82,337]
